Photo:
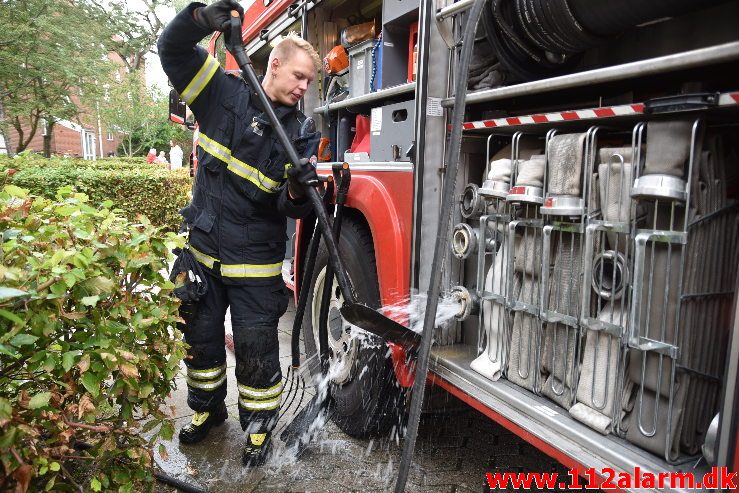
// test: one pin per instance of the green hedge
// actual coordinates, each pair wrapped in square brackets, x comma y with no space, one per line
[135,187]
[88,346]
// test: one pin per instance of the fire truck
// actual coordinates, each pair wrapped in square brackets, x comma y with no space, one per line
[592,259]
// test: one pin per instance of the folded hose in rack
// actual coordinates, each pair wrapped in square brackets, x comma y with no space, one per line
[533,39]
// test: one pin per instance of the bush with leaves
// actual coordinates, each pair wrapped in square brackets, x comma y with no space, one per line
[88,345]
[134,187]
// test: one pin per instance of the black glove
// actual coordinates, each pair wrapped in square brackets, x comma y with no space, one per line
[217,16]
[299,178]
[188,277]
[307,145]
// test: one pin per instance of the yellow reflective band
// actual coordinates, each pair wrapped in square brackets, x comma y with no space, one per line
[253,175]
[203,258]
[260,393]
[287,166]
[257,438]
[199,418]
[201,79]
[251,270]
[214,148]
[259,405]
[207,373]
[207,385]
[236,166]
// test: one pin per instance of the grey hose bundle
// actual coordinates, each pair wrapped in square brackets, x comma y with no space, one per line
[561,341]
[601,375]
[522,357]
[668,147]
[531,172]
[500,170]
[565,164]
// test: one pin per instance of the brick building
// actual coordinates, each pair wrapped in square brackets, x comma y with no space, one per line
[88,138]
[72,139]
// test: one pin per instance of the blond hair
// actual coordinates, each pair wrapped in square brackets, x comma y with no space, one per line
[292,41]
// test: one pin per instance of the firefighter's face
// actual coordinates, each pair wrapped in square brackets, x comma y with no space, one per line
[291,77]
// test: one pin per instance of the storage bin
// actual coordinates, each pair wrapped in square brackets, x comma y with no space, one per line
[360,68]
[392,131]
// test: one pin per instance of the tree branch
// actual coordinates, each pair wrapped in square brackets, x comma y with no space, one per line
[85,426]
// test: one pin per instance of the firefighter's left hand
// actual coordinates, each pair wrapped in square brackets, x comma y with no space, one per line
[299,178]
[307,145]
[217,16]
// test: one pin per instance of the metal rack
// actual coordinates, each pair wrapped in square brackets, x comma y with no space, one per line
[366,99]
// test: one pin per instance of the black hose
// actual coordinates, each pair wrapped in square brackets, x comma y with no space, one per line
[328,279]
[309,263]
[441,247]
[177,483]
[608,18]
[160,476]
[542,38]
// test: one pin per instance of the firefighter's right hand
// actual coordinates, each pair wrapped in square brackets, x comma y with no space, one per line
[299,178]
[217,16]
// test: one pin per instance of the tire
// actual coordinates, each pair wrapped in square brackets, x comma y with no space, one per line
[367,398]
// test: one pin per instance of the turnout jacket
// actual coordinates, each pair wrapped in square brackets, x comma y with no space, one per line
[237,215]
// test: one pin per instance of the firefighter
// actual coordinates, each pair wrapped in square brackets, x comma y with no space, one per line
[243,190]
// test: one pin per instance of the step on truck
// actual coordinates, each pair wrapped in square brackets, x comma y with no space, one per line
[592,259]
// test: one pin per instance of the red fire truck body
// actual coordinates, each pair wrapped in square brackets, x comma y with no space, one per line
[618,96]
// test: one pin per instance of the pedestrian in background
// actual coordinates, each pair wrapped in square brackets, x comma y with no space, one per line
[162,159]
[175,156]
[152,156]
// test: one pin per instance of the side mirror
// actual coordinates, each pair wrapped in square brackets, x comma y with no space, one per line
[177,108]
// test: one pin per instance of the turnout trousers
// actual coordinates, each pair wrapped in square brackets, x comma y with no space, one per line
[255,312]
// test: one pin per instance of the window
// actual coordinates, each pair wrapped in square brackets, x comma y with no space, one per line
[44,129]
[110,135]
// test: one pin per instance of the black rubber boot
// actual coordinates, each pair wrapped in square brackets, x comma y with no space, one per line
[255,453]
[201,424]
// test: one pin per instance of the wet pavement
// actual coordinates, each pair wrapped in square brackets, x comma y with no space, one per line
[456,446]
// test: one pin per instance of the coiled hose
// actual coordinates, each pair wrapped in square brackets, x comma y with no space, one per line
[539,38]
[441,246]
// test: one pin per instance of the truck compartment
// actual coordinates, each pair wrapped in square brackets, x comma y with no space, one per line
[605,268]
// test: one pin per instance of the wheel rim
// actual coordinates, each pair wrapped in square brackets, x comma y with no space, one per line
[341,345]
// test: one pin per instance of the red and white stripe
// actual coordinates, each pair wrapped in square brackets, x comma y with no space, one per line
[728,98]
[725,99]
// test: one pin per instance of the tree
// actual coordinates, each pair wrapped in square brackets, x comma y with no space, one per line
[132,33]
[140,115]
[51,59]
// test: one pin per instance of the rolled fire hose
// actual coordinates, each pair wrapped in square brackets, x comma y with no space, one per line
[564,178]
[565,164]
[492,360]
[658,396]
[522,361]
[668,150]
[560,340]
[597,387]
[616,175]
[531,172]
[522,368]
[599,381]
[440,248]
